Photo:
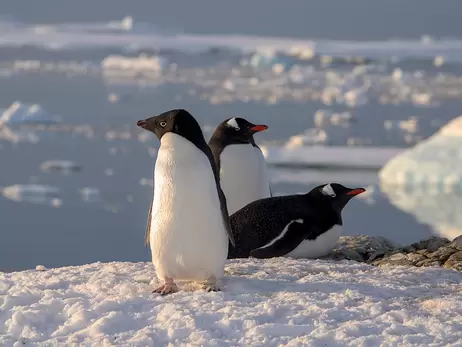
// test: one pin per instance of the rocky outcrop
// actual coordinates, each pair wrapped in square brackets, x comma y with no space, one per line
[379,251]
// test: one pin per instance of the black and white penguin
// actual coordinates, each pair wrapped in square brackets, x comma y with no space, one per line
[243,173]
[188,224]
[298,226]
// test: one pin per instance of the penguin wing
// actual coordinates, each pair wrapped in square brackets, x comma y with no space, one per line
[291,236]
[224,213]
[147,235]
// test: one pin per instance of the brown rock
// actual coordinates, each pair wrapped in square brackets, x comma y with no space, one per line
[456,243]
[428,262]
[442,254]
[431,244]
[415,257]
[454,262]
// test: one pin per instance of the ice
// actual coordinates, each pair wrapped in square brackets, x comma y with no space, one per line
[65,166]
[434,163]
[127,33]
[298,152]
[438,209]
[40,268]
[133,66]
[21,113]
[309,137]
[276,302]
[90,194]
[16,136]
[34,193]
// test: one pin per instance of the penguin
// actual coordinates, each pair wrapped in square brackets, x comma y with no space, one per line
[243,173]
[188,224]
[298,226]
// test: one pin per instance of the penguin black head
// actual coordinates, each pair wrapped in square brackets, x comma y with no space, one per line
[177,121]
[335,193]
[235,131]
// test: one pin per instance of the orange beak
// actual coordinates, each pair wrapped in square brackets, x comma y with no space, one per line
[356,191]
[258,128]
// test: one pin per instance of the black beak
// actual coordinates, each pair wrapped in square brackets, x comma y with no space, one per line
[142,123]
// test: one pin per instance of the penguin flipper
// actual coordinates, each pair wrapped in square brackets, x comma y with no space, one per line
[224,213]
[292,235]
[147,235]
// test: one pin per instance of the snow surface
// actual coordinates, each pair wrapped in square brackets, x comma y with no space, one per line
[264,303]
[328,156]
[127,33]
[435,163]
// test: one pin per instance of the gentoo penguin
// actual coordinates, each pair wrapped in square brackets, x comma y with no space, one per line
[298,226]
[188,225]
[242,166]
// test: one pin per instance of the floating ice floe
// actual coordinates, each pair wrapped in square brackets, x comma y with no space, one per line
[20,113]
[334,118]
[18,135]
[60,166]
[312,136]
[90,194]
[435,163]
[34,193]
[115,65]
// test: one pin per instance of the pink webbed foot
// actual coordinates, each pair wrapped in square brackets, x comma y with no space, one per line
[168,287]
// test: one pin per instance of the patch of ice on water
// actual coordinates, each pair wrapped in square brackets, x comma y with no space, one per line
[275,302]
[133,66]
[21,113]
[90,194]
[308,137]
[34,193]
[60,165]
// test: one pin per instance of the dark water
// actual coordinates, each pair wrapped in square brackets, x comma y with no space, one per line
[112,228]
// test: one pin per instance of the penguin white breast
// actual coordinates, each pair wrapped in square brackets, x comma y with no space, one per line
[243,175]
[318,247]
[188,236]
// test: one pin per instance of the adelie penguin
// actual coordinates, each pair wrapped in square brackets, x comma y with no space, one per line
[298,226]
[242,166]
[188,224]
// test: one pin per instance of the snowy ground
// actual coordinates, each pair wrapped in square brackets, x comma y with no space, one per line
[264,303]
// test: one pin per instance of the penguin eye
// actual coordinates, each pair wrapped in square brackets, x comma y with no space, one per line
[163,124]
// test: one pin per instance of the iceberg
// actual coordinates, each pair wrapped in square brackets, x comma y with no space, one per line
[20,113]
[434,164]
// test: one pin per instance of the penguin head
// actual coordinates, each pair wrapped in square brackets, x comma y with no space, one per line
[237,130]
[178,121]
[335,193]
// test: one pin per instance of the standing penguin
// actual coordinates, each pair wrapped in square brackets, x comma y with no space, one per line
[298,226]
[242,166]
[188,221]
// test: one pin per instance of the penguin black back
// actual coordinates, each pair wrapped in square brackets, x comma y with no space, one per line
[265,221]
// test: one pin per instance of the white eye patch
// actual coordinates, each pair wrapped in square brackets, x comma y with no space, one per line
[327,190]
[232,123]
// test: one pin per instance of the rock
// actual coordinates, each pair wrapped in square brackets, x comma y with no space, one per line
[379,251]
[431,244]
[456,243]
[361,248]
[454,262]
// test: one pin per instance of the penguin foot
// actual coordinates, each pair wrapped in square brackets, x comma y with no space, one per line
[211,285]
[168,287]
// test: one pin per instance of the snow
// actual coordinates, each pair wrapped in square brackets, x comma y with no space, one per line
[434,163]
[22,113]
[273,302]
[329,156]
